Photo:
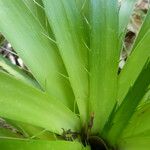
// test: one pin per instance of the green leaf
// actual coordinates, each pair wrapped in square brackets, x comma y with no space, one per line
[135,143]
[8,130]
[24,103]
[143,31]
[6,133]
[41,13]
[17,72]
[123,114]
[83,6]
[104,56]
[28,39]
[30,131]
[31,6]
[139,123]
[37,9]
[15,144]
[33,132]
[136,61]
[66,23]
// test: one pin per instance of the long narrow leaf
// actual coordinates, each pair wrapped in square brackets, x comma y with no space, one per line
[31,6]
[30,131]
[36,50]
[11,69]
[6,133]
[24,103]
[136,60]
[139,124]
[15,144]
[66,23]
[135,143]
[124,113]
[83,6]
[104,57]
[144,29]
[37,9]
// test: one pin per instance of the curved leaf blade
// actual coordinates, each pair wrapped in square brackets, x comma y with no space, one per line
[139,123]
[16,144]
[24,103]
[123,114]
[39,54]
[144,29]
[135,143]
[19,73]
[104,56]
[66,22]
[5,133]
[135,62]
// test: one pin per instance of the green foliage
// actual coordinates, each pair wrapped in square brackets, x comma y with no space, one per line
[137,59]
[103,59]
[123,114]
[46,145]
[72,90]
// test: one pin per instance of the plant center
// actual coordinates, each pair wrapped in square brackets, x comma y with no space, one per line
[97,143]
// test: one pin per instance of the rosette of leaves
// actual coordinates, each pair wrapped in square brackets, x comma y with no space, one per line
[72,96]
